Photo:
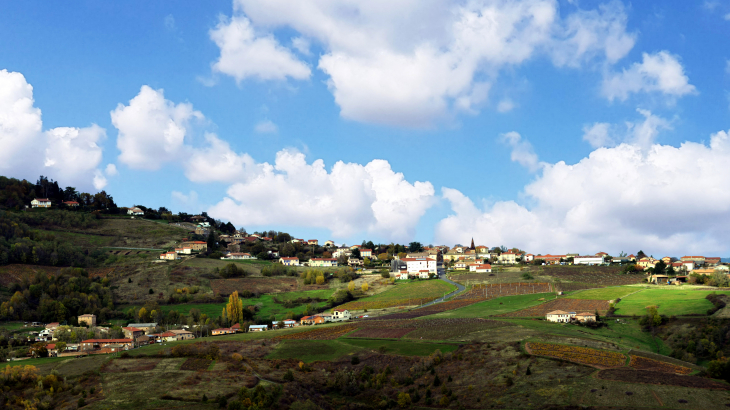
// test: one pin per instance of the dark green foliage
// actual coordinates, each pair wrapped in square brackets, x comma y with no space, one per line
[436,381]
[152,291]
[232,270]
[21,244]
[59,298]
[355,360]
[278,270]
[260,397]
[289,376]
[204,399]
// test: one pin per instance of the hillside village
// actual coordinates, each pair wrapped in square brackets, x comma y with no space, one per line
[220,300]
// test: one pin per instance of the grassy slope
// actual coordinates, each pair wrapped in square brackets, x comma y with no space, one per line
[495,306]
[412,290]
[627,335]
[312,350]
[611,293]
[670,302]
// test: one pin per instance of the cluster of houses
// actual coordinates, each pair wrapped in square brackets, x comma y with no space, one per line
[47,203]
[135,335]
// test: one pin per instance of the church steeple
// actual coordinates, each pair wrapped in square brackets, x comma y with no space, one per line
[472,244]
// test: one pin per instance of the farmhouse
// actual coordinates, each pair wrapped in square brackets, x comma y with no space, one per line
[40,203]
[88,319]
[169,256]
[258,328]
[184,251]
[183,334]
[559,316]
[132,332]
[585,317]
[135,211]
[289,261]
[329,244]
[96,344]
[340,314]
[195,245]
[72,204]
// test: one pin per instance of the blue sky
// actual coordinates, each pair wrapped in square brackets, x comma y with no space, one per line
[551,126]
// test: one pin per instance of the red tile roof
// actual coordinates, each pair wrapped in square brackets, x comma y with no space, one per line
[107,341]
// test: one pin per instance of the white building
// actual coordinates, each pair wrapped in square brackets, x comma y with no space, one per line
[589,260]
[322,262]
[340,314]
[480,268]
[238,255]
[290,261]
[560,316]
[509,257]
[341,251]
[185,250]
[40,203]
[417,265]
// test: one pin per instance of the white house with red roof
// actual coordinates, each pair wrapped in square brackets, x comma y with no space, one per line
[480,267]
[313,242]
[238,255]
[169,256]
[418,265]
[135,211]
[366,253]
[289,261]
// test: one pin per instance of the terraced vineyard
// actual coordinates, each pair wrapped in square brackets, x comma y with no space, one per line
[382,333]
[582,355]
[325,333]
[496,290]
[568,305]
[587,277]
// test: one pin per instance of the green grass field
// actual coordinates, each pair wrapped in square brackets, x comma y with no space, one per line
[412,290]
[628,335]
[495,306]
[611,293]
[670,301]
[34,362]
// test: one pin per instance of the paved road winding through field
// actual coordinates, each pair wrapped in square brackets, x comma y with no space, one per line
[459,288]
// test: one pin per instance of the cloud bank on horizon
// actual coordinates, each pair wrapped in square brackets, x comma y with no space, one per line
[415,65]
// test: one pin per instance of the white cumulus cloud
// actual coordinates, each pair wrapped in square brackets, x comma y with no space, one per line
[67,154]
[218,162]
[20,127]
[245,54]
[414,62]
[111,170]
[152,129]
[640,133]
[349,199]
[659,72]
[664,200]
